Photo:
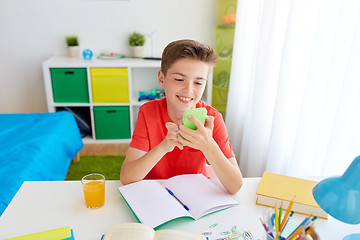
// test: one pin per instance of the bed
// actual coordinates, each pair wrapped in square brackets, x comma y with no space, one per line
[35,147]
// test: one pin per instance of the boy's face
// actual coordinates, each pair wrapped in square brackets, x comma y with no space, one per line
[184,83]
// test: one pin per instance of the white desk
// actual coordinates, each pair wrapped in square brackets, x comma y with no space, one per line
[40,206]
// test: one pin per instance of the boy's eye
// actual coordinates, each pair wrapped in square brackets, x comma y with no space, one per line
[199,83]
[178,79]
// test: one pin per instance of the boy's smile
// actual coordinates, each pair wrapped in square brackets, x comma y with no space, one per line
[184,84]
[185,99]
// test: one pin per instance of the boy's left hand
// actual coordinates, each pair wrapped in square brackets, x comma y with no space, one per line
[198,139]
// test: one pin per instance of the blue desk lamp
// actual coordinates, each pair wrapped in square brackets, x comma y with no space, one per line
[340,196]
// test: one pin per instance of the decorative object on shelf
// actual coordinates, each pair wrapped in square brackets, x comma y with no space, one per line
[73,46]
[151,36]
[339,196]
[110,56]
[137,41]
[152,58]
[87,54]
[154,93]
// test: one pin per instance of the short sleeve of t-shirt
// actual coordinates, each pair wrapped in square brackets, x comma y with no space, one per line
[140,138]
[150,127]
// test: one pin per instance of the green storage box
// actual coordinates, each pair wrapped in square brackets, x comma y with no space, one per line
[112,122]
[69,85]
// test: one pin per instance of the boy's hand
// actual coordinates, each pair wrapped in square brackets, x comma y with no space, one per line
[171,139]
[199,139]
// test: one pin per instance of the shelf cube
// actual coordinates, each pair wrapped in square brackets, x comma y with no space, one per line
[112,122]
[109,85]
[69,85]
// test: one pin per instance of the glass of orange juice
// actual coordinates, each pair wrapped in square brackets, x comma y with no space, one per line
[94,190]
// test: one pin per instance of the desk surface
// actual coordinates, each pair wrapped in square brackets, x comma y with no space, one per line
[40,206]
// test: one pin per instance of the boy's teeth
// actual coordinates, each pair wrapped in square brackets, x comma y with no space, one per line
[185,98]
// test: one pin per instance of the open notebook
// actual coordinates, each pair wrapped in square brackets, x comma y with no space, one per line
[155,203]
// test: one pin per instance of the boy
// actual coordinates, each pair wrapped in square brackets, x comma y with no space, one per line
[156,150]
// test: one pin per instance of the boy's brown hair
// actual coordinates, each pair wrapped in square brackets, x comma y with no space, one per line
[186,49]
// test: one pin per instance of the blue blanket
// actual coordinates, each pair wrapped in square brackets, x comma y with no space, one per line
[35,147]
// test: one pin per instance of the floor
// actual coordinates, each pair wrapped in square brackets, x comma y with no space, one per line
[104,149]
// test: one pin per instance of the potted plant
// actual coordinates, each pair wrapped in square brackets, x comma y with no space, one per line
[73,46]
[137,41]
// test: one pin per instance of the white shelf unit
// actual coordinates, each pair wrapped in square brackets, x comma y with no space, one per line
[142,76]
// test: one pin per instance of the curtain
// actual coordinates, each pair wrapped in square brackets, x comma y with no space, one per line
[294,95]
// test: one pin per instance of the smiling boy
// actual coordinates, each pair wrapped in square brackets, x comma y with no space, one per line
[156,150]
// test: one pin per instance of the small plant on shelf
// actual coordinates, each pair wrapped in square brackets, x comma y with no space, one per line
[73,46]
[72,41]
[136,39]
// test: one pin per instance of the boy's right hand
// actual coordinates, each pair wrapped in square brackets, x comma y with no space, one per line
[170,141]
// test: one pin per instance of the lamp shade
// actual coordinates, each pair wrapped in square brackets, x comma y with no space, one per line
[340,196]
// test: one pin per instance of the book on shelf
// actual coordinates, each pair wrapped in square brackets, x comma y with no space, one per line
[139,231]
[276,189]
[191,195]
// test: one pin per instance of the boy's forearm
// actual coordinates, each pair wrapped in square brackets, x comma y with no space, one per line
[226,169]
[135,170]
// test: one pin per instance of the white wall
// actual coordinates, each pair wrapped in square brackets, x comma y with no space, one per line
[33,30]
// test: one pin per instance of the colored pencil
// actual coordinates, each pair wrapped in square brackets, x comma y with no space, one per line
[297,232]
[267,229]
[280,213]
[287,214]
[276,218]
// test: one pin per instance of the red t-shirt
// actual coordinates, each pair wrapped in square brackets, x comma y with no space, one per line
[150,130]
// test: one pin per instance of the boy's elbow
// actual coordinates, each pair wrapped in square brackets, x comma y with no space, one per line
[235,188]
[123,179]
[126,179]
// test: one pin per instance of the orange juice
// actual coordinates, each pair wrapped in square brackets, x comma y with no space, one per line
[94,192]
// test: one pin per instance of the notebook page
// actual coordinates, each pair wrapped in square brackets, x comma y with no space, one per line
[199,194]
[151,203]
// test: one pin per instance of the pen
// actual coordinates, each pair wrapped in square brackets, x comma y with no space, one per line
[172,194]
[272,221]
[282,225]
[287,220]
[311,221]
